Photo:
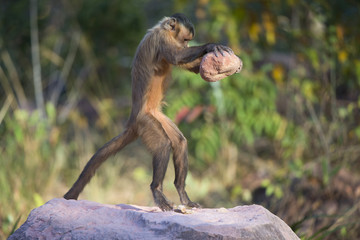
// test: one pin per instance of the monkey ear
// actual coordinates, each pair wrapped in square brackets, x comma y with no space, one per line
[170,24]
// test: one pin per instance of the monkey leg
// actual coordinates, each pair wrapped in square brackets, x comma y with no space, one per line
[156,140]
[160,162]
[180,158]
[110,148]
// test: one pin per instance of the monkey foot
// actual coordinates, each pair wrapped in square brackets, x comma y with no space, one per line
[193,205]
[165,206]
[69,195]
[161,201]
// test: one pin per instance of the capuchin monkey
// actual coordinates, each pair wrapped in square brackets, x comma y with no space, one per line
[164,45]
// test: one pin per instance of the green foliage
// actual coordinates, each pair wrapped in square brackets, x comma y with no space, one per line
[292,113]
[28,165]
[244,110]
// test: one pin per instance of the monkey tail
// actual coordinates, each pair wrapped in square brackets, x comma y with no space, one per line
[110,148]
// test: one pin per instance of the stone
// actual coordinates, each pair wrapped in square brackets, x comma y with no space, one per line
[82,219]
[214,68]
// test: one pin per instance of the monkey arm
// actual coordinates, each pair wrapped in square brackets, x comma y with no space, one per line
[190,57]
[193,66]
[183,56]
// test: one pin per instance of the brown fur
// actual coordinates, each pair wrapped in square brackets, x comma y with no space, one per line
[164,45]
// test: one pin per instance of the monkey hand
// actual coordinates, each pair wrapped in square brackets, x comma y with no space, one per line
[218,49]
[214,67]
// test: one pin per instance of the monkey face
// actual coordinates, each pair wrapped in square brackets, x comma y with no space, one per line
[183,36]
[179,33]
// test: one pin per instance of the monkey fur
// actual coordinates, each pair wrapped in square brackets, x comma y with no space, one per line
[164,45]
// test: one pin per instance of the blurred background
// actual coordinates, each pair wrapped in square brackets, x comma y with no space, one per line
[284,133]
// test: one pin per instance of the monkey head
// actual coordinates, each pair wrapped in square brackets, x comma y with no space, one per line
[180,28]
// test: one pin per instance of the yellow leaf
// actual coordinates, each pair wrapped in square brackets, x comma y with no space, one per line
[254,32]
[269,28]
[314,58]
[38,200]
[278,75]
[308,89]
[342,56]
[270,37]
[291,2]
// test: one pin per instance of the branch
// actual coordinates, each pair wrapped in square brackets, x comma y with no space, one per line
[35,55]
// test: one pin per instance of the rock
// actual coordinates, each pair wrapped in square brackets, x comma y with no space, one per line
[70,219]
[214,68]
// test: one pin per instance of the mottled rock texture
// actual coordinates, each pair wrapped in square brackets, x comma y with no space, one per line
[70,219]
[214,68]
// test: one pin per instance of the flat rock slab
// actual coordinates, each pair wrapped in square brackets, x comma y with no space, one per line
[70,219]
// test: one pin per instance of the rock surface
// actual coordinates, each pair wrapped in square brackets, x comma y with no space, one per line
[214,68]
[70,219]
